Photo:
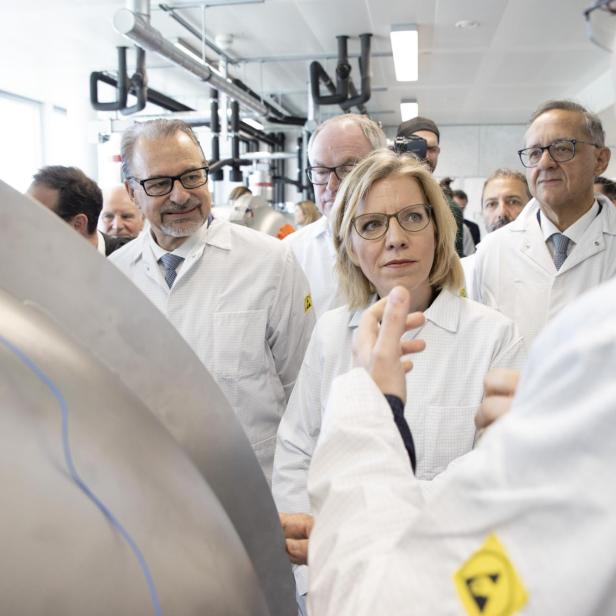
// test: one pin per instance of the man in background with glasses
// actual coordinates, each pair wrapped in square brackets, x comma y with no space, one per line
[237,296]
[334,148]
[564,241]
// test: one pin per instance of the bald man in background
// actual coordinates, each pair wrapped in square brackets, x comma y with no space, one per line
[120,217]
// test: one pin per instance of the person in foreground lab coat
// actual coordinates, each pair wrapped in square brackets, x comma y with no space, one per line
[523,524]
[237,296]
[564,241]
[465,339]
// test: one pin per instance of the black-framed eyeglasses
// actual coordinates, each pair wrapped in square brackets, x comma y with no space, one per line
[319,175]
[163,185]
[601,31]
[561,151]
[374,226]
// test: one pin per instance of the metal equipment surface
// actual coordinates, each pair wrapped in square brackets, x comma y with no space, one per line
[150,433]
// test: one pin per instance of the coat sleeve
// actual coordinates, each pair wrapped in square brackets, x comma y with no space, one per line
[384,544]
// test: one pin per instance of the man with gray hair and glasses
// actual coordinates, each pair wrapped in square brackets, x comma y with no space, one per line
[237,296]
[564,241]
[335,147]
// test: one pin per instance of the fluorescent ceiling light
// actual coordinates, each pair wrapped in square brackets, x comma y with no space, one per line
[405,47]
[254,123]
[409,109]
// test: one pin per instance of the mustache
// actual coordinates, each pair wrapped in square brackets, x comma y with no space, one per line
[501,221]
[174,208]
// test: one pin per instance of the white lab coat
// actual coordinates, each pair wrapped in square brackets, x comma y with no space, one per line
[541,480]
[514,272]
[464,340]
[240,301]
[313,247]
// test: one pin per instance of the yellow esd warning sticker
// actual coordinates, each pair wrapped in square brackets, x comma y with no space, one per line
[488,584]
[307,303]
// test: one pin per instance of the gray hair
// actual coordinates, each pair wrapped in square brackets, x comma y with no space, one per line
[371,130]
[592,123]
[152,129]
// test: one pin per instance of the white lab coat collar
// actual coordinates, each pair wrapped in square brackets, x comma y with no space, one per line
[532,242]
[575,231]
[318,228]
[444,312]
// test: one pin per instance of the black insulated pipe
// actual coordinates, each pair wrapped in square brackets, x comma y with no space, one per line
[137,85]
[236,173]
[121,83]
[215,130]
[300,160]
[274,115]
[318,75]
[366,77]
[153,96]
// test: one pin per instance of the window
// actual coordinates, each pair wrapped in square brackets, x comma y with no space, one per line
[21,129]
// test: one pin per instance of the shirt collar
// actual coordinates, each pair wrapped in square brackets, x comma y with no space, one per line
[215,233]
[575,231]
[444,312]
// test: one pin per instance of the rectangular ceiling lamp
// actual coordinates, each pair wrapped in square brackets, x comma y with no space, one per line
[405,47]
[409,109]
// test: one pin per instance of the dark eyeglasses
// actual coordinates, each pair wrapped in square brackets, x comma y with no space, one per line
[413,218]
[163,185]
[320,175]
[561,151]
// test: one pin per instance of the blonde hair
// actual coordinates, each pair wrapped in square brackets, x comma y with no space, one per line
[309,210]
[446,270]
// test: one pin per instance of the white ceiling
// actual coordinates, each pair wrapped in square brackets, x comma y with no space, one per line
[523,52]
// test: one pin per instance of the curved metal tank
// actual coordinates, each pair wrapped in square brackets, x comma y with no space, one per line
[150,433]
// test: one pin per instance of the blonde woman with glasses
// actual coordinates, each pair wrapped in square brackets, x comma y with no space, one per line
[393,227]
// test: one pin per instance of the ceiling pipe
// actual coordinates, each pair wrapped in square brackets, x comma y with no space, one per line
[366,75]
[136,28]
[202,37]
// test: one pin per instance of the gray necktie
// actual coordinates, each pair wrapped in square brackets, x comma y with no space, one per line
[170,263]
[560,243]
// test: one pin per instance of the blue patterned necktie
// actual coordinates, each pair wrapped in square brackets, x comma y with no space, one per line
[170,263]
[560,243]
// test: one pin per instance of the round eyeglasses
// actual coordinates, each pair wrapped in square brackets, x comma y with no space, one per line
[560,151]
[163,185]
[374,226]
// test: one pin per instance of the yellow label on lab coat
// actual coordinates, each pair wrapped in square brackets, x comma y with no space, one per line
[488,584]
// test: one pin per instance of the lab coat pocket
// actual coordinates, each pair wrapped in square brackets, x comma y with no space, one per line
[449,433]
[239,342]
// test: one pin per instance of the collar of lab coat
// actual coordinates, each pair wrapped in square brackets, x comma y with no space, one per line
[317,228]
[444,312]
[532,243]
[218,234]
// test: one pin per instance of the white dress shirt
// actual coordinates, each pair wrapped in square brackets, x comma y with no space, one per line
[463,341]
[514,271]
[241,302]
[313,247]
[574,232]
[526,519]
